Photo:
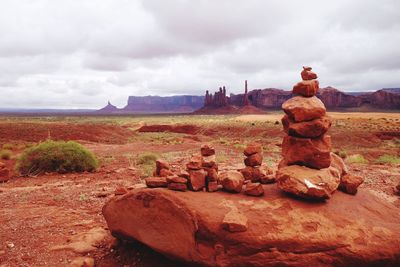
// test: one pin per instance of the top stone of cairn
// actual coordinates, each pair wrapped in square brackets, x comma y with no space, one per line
[309,86]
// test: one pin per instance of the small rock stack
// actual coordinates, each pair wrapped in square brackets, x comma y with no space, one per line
[4,173]
[210,167]
[201,173]
[254,170]
[308,168]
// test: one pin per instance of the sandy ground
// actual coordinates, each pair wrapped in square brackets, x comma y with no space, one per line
[53,219]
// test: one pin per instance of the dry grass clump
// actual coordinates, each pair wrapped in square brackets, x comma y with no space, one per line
[5,154]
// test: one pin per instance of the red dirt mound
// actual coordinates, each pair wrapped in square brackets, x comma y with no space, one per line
[388,135]
[35,132]
[184,129]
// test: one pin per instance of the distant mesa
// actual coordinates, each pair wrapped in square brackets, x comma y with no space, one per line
[254,102]
[156,104]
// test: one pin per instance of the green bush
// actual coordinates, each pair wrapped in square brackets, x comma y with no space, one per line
[56,156]
[356,158]
[5,154]
[388,159]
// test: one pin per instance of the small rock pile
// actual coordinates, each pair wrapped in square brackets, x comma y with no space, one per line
[308,168]
[201,173]
[4,173]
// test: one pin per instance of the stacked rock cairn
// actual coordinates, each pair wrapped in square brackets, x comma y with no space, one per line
[255,173]
[308,168]
[201,173]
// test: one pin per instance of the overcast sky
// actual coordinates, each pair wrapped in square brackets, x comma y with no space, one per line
[79,54]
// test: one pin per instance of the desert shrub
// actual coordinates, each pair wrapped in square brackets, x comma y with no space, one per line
[147,158]
[356,158]
[147,163]
[5,154]
[388,159]
[8,146]
[56,156]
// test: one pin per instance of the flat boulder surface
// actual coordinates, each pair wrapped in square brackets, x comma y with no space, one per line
[360,230]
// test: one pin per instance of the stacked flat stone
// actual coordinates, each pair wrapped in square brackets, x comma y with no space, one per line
[308,168]
[210,167]
[160,175]
[203,170]
[254,170]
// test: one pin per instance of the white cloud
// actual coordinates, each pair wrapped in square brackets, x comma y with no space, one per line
[82,53]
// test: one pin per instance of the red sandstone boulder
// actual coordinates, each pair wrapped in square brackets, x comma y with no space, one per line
[197,180]
[349,183]
[177,186]
[308,183]
[231,181]
[212,186]
[307,74]
[338,163]
[306,88]
[311,129]
[120,190]
[252,149]
[234,221]
[254,189]
[195,163]
[183,174]
[212,174]
[247,172]
[165,173]
[313,153]
[360,230]
[301,108]
[209,162]
[256,174]
[207,150]
[156,182]
[161,164]
[253,160]
[176,179]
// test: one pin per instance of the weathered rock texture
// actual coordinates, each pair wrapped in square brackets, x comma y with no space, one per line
[360,230]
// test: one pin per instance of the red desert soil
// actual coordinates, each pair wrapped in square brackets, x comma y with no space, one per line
[51,219]
[35,132]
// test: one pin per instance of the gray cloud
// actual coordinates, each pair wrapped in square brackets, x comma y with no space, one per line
[82,53]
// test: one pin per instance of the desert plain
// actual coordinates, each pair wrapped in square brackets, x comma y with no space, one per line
[53,219]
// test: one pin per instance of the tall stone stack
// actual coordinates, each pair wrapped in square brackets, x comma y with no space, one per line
[306,168]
